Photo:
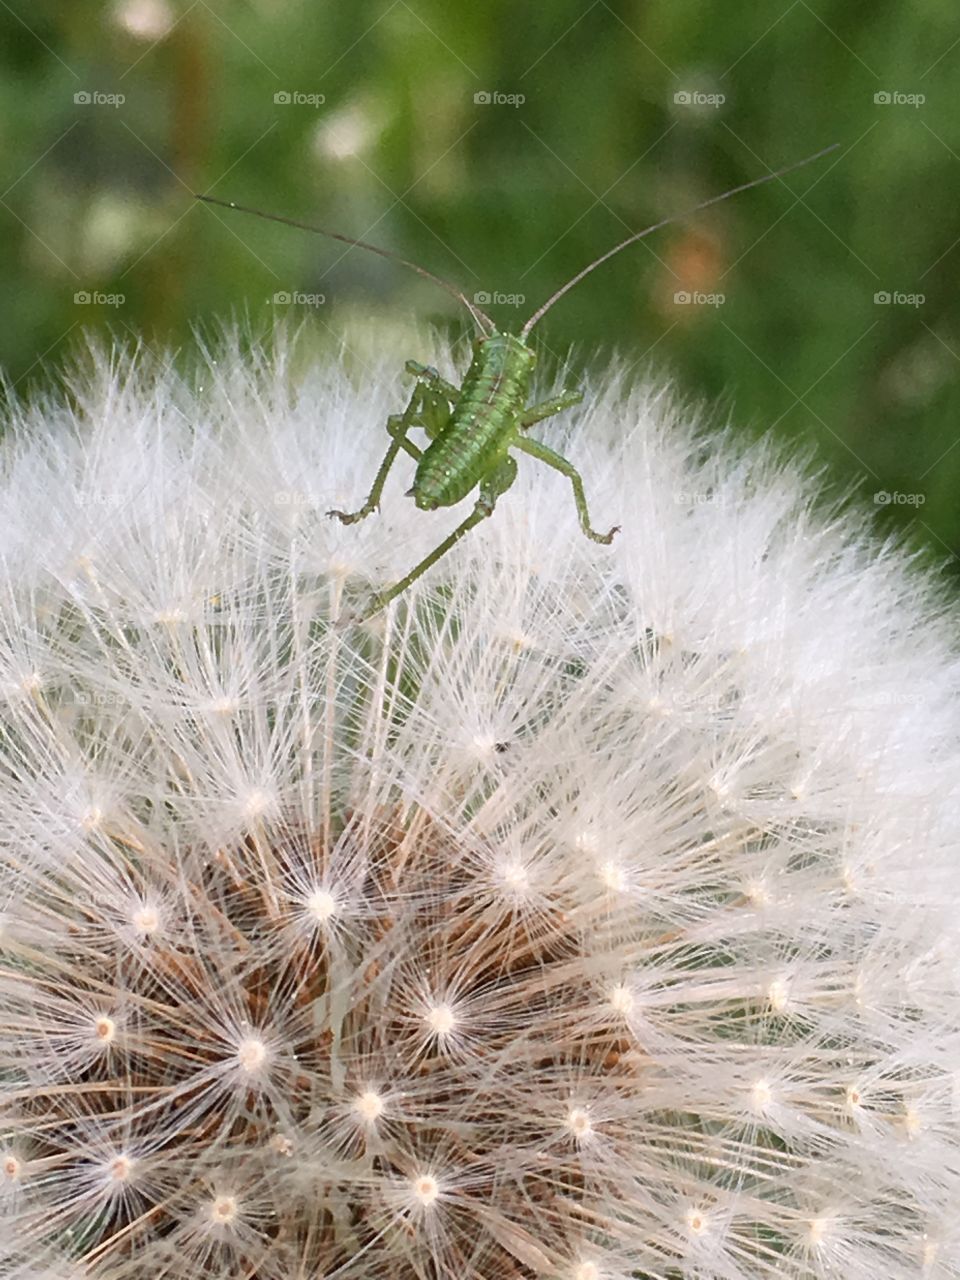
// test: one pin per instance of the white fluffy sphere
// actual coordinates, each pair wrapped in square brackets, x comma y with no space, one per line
[589,914]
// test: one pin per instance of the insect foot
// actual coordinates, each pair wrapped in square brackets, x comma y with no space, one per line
[605,538]
[351,517]
[358,611]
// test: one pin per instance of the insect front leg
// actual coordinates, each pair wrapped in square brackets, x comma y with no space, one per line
[427,373]
[559,463]
[547,408]
[397,426]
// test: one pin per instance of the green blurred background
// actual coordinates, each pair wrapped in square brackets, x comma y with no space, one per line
[592,120]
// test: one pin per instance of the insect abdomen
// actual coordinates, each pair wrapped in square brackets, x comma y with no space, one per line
[492,397]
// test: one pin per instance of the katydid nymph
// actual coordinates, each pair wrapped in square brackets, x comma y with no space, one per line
[472,429]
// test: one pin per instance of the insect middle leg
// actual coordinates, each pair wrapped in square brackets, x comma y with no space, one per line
[547,408]
[559,463]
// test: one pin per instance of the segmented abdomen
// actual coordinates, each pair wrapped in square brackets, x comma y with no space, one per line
[492,397]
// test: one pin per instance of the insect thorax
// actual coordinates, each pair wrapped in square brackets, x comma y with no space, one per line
[482,423]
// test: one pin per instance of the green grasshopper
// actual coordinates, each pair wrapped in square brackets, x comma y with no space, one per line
[472,429]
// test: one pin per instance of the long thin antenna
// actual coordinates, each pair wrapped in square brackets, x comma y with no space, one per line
[480,318]
[674,217]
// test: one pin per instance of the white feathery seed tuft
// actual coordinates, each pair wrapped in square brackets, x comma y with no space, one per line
[589,914]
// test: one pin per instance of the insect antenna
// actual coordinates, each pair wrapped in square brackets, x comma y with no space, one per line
[480,318]
[674,217]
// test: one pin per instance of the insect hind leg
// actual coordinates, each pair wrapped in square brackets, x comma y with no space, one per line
[499,480]
[495,483]
[559,463]
[482,508]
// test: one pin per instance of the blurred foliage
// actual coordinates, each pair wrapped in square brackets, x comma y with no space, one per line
[511,198]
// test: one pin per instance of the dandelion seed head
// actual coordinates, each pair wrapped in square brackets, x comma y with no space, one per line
[105,1029]
[578,1123]
[146,919]
[119,1169]
[369,1106]
[321,905]
[761,1096]
[818,1231]
[253,1054]
[91,819]
[425,1189]
[224,706]
[222,1210]
[612,876]
[326,945]
[483,746]
[758,893]
[778,994]
[621,1000]
[514,876]
[516,638]
[256,803]
[697,1222]
[441,1020]
[282,1145]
